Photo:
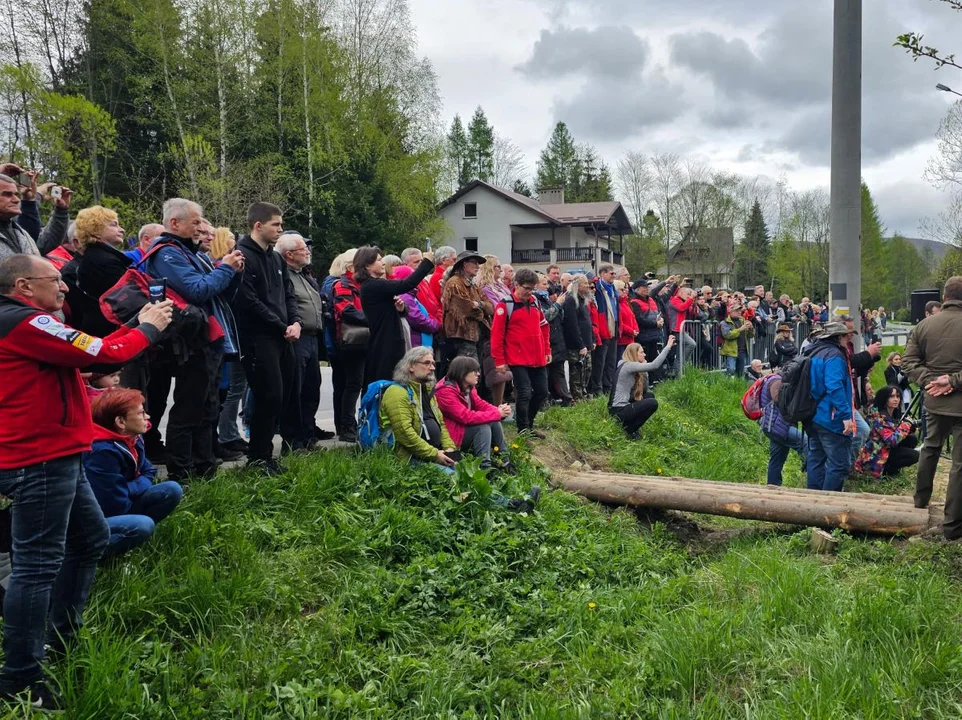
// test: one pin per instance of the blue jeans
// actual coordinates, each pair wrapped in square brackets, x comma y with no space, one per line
[136,527]
[862,431]
[829,457]
[735,366]
[59,534]
[236,387]
[778,448]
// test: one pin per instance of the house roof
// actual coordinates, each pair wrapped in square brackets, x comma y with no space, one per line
[600,213]
[720,242]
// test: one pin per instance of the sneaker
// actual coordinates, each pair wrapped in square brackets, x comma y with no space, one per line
[323,434]
[532,433]
[348,438]
[532,498]
[237,445]
[225,453]
[39,696]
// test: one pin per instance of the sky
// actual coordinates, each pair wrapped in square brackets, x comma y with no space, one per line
[744,85]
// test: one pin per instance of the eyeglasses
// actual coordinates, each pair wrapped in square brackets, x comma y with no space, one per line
[425,362]
[56,278]
[529,288]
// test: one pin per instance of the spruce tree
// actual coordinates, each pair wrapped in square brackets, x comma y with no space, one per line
[481,146]
[559,159]
[752,255]
[458,153]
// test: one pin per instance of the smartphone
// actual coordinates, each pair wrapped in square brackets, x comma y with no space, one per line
[157,290]
[454,455]
[56,192]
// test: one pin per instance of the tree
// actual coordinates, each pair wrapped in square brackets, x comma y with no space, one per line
[522,188]
[906,269]
[752,254]
[508,163]
[876,285]
[635,183]
[667,172]
[457,152]
[558,162]
[481,146]
[645,249]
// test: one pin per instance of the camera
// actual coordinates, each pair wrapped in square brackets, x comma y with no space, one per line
[56,192]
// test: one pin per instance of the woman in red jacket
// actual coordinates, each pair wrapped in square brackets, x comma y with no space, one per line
[521,341]
[474,424]
[627,324]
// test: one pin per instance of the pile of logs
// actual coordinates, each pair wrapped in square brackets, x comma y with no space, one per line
[861,512]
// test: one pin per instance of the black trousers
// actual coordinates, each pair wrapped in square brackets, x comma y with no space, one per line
[297,417]
[348,381]
[651,352]
[269,366]
[558,381]
[531,390]
[902,455]
[635,414]
[190,424]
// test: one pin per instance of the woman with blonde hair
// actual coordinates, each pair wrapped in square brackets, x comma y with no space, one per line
[223,243]
[631,401]
[88,276]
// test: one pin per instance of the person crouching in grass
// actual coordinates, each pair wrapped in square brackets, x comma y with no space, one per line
[120,474]
[631,401]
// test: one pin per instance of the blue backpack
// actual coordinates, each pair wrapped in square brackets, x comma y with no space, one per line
[369,430]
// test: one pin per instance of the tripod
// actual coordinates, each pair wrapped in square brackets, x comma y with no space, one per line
[916,412]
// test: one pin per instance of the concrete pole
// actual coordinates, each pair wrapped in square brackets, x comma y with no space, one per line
[845,249]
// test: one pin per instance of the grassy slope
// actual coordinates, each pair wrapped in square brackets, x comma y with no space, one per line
[353,587]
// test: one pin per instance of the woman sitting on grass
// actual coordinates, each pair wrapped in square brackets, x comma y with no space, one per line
[891,442]
[474,424]
[120,474]
[631,401]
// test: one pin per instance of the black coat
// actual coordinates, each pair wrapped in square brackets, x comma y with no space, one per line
[265,304]
[895,376]
[89,276]
[386,346]
[576,324]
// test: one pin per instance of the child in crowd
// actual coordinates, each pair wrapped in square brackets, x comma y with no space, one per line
[98,382]
[120,474]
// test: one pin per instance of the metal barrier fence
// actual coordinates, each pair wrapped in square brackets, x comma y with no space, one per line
[699,344]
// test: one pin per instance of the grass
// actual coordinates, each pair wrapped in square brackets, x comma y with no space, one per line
[357,587]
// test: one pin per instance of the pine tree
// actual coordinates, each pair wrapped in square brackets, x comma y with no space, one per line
[558,160]
[458,153]
[876,286]
[481,146]
[752,255]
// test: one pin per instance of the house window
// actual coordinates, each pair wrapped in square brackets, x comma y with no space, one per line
[549,244]
[471,244]
[470,210]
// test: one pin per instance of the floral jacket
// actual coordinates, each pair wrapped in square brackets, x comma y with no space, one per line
[885,434]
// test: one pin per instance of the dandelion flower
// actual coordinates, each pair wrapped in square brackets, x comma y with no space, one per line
[592,606]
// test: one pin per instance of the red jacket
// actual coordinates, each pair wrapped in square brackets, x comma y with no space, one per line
[595,322]
[434,282]
[59,257]
[347,304]
[681,308]
[44,411]
[457,415]
[430,302]
[523,340]
[627,324]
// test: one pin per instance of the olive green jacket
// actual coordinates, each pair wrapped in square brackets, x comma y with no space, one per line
[402,417]
[934,348]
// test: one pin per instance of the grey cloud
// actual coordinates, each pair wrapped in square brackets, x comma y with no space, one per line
[611,110]
[607,51]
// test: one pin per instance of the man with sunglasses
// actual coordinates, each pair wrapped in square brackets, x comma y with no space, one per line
[58,531]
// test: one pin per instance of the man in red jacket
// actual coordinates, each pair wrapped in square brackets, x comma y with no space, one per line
[57,528]
[681,305]
[521,340]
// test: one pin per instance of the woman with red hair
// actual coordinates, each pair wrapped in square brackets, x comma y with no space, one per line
[120,474]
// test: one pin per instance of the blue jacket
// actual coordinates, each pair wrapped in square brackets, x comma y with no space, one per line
[114,474]
[831,380]
[192,276]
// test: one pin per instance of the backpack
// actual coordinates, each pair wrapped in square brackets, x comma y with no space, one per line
[122,302]
[795,402]
[752,399]
[369,430]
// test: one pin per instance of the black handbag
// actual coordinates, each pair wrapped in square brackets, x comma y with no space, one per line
[354,337]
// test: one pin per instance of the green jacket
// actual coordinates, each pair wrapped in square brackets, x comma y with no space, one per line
[403,417]
[731,329]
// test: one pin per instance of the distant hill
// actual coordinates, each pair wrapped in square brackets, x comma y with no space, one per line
[921,244]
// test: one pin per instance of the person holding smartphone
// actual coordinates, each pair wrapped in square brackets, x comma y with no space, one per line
[20,228]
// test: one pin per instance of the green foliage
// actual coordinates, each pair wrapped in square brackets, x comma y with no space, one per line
[353,586]
[480,146]
[576,168]
[876,281]
[458,153]
[751,255]
[645,250]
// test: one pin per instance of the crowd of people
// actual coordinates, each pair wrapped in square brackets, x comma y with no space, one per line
[98,334]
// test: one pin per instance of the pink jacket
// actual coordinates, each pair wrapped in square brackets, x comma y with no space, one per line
[457,415]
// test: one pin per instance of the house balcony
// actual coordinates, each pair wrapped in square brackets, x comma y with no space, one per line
[586,257]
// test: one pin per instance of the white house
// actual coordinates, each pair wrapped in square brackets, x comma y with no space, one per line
[531,233]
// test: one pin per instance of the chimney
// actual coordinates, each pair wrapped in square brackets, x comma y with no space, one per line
[552,195]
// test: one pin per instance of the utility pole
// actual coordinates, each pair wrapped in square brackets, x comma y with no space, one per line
[845,248]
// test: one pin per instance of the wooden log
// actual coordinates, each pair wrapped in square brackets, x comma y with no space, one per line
[862,512]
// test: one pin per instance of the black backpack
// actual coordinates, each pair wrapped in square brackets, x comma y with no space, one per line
[795,402]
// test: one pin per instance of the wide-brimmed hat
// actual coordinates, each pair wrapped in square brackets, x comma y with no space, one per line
[783,328]
[833,329]
[468,255]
